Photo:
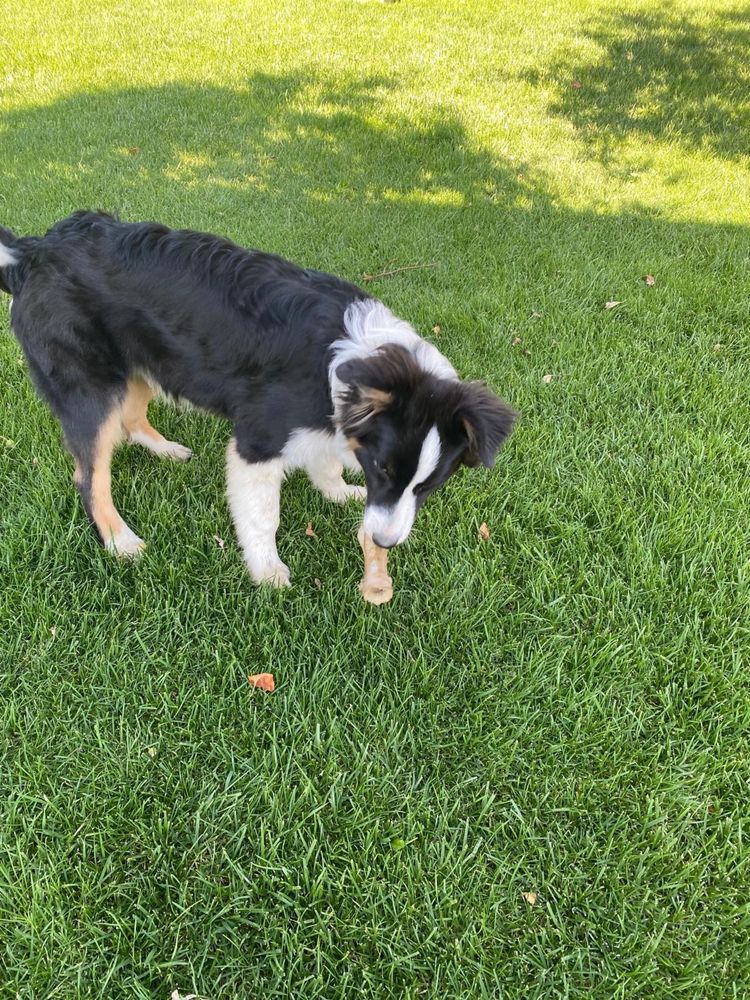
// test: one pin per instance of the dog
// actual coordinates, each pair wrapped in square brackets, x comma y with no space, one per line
[311,371]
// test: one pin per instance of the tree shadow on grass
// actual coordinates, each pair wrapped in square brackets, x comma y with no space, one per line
[661,75]
[270,155]
[330,175]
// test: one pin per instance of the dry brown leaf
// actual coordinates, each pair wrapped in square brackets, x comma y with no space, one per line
[484,531]
[576,84]
[718,347]
[151,751]
[264,682]
[309,530]
[530,897]
[649,279]
[547,379]
[219,541]
[134,150]
[612,303]
[436,329]
[515,342]
[536,315]
[317,583]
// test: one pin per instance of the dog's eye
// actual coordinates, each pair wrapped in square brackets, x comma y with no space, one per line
[385,468]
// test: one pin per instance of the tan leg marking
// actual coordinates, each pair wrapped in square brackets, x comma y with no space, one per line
[115,533]
[376,586]
[137,426]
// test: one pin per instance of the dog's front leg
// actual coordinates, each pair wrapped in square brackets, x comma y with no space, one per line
[254,492]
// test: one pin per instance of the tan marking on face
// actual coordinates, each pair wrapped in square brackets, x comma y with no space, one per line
[378,399]
[371,401]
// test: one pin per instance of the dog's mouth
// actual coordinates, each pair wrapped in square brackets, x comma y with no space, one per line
[385,543]
[390,526]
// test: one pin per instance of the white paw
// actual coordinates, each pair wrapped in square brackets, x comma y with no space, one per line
[175,450]
[346,492]
[274,573]
[126,544]
[160,446]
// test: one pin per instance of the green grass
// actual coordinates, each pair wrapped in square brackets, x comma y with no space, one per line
[563,709]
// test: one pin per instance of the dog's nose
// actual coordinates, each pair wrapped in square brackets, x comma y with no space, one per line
[384,541]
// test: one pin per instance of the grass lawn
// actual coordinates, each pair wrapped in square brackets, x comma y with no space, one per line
[561,710]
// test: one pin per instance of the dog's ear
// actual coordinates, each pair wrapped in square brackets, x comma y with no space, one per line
[375,383]
[485,420]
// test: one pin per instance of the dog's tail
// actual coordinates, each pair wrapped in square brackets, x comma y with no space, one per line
[13,251]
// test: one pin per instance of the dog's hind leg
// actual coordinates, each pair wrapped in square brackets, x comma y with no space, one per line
[92,476]
[139,430]
[254,494]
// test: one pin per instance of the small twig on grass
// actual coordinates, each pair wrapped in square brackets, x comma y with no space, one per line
[397,270]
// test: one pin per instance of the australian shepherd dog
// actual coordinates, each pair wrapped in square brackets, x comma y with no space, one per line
[310,370]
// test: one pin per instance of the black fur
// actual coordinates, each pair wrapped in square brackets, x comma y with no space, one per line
[242,334]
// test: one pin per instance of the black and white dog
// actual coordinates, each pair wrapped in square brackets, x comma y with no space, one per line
[312,372]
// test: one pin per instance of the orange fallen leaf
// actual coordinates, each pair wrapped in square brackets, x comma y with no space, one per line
[547,379]
[649,279]
[263,681]
[484,531]
[309,530]
[612,303]
[530,897]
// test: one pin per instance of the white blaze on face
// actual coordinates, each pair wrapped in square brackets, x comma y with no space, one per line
[391,525]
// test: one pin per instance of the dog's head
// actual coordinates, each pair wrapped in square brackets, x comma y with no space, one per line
[411,430]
